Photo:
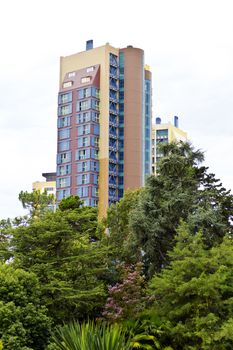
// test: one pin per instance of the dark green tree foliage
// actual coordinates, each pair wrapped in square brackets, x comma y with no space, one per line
[61,251]
[36,202]
[194,294]
[184,190]
[71,202]
[24,323]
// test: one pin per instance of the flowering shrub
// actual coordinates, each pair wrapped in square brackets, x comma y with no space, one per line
[126,297]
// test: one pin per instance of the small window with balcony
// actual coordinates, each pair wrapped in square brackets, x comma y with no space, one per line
[67,84]
[85,80]
[90,69]
[71,74]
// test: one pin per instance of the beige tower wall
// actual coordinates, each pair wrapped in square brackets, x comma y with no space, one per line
[133,94]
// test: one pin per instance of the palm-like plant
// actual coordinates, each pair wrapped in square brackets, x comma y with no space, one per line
[90,336]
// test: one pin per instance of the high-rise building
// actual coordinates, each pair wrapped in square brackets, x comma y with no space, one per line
[164,133]
[104,124]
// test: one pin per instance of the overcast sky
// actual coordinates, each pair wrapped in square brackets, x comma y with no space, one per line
[188,45]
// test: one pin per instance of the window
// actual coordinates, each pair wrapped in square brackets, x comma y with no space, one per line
[86,202]
[71,74]
[63,146]
[65,98]
[63,193]
[95,92]
[64,169]
[63,122]
[95,104]
[82,154]
[96,141]
[83,117]
[95,166]
[63,182]
[63,110]
[85,141]
[86,92]
[63,134]
[85,80]
[86,129]
[95,191]
[90,69]
[83,105]
[96,154]
[95,203]
[84,166]
[95,117]
[64,157]
[84,179]
[67,84]
[82,191]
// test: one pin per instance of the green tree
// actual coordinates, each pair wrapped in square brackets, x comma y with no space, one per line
[121,236]
[61,248]
[71,202]
[5,229]
[24,322]
[183,189]
[36,202]
[194,294]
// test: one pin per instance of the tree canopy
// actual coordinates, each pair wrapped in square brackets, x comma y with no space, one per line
[194,294]
[183,189]
[24,322]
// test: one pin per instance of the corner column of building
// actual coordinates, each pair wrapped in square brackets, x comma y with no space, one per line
[133,117]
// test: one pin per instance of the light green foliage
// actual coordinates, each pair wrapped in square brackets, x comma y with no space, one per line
[194,294]
[36,202]
[182,190]
[121,236]
[91,336]
[24,323]
[62,250]
[5,229]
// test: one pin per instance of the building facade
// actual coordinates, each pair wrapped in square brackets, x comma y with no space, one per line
[104,124]
[49,185]
[164,133]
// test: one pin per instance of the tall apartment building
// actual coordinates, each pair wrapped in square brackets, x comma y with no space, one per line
[164,133]
[104,124]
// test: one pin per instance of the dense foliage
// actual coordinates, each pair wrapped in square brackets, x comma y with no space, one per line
[24,323]
[183,190]
[156,273]
[194,294]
